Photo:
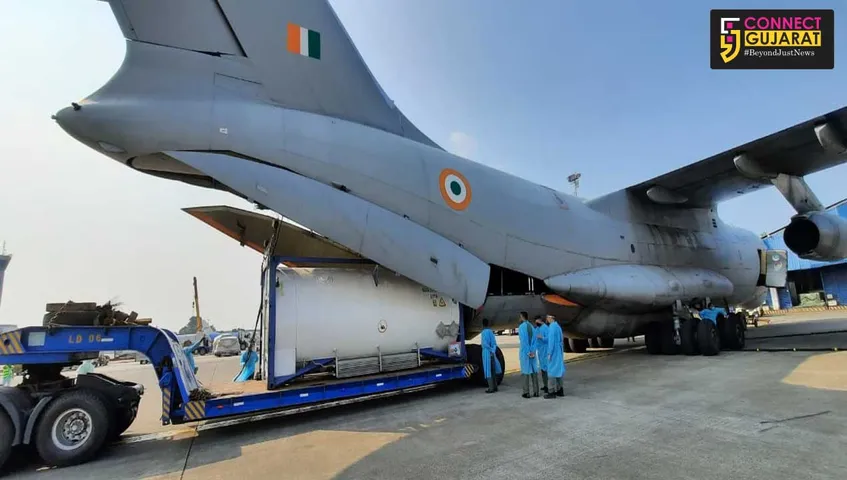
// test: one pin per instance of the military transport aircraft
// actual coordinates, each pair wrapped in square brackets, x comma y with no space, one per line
[271,101]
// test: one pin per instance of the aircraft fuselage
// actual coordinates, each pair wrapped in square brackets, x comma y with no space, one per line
[164,100]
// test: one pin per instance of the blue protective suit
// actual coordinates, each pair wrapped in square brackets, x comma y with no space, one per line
[248,365]
[555,352]
[489,350]
[526,334]
[541,345]
[189,354]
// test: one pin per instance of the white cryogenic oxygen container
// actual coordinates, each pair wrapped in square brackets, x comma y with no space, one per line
[324,312]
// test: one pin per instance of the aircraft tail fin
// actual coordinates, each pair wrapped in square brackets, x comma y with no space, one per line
[299,49]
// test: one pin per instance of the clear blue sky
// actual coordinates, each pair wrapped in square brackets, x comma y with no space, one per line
[620,91]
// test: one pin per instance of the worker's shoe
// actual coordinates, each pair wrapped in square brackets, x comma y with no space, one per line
[561,392]
[545,390]
[489,391]
[525,395]
[535,394]
[550,395]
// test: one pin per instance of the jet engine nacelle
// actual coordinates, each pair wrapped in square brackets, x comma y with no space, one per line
[817,236]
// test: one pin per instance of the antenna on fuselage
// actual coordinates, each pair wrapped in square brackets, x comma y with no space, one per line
[573,179]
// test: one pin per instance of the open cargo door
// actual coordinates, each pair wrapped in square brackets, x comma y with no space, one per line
[296,246]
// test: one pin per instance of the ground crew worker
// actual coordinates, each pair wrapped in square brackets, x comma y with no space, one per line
[8,374]
[541,329]
[555,357]
[529,363]
[490,365]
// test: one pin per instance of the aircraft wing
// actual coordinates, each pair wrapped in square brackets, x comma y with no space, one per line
[805,148]
[297,246]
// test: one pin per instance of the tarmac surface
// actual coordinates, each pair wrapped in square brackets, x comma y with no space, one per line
[626,414]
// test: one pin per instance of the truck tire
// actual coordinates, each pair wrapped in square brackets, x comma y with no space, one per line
[688,336]
[594,342]
[72,429]
[566,345]
[578,345]
[607,342]
[7,436]
[708,338]
[121,421]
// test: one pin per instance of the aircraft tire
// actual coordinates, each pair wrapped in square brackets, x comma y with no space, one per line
[566,346]
[594,342]
[607,342]
[688,336]
[578,345]
[474,357]
[653,339]
[669,346]
[502,361]
[474,353]
[708,338]
[734,337]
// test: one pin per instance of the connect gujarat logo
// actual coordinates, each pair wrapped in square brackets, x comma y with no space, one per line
[730,38]
[772,39]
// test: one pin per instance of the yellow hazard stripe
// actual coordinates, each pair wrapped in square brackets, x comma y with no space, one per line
[469,370]
[195,410]
[10,343]
[166,405]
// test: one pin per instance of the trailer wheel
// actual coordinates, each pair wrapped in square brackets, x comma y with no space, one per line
[72,429]
[607,342]
[7,435]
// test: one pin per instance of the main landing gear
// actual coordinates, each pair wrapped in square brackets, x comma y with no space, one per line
[693,332]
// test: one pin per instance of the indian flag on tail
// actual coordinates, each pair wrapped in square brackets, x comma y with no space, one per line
[304,41]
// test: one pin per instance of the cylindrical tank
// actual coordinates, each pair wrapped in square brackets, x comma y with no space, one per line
[353,312]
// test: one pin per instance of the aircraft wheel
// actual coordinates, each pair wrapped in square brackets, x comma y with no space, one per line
[7,434]
[502,361]
[708,338]
[688,336]
[474,357]
[607,342]
[594,342]
[653,339]
[72,429]
[566,345]
[669,346]
[735,337]
[578,345]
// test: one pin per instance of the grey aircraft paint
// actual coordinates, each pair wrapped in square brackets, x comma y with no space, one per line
[270,100]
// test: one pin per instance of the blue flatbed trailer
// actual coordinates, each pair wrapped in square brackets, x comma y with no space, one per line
[69,420]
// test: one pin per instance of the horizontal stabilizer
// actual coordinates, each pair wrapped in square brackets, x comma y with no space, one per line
[644,287]
[299,247]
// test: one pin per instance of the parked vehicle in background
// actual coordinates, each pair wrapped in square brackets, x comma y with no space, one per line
[226,345]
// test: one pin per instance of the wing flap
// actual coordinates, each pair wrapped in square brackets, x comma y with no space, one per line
[799,150]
